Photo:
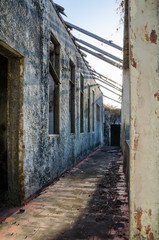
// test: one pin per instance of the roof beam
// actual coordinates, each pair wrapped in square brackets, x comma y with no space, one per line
[110,90]
[98,55]
[111,99]
[93,36]
[109,84]
[99,50]
[102,76]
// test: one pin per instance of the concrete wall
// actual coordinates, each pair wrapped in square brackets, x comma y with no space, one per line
[25,28]
[144,125]
[125,111]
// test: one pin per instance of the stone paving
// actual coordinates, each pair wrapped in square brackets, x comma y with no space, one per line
[88,202]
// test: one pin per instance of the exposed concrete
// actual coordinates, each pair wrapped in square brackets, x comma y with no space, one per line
[89,202]
[125,111]
[144,119]
[40,157]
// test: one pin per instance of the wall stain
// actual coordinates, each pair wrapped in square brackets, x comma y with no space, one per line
[133,63]
[150,212]
[147,234]
[136,141]
[146,34]
[156,95]
[135,36]
[151,236]
[147,229]
[153,37]
[134,156]
[138,214]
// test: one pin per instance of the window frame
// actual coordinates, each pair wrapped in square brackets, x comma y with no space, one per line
[72,96]
[54,71]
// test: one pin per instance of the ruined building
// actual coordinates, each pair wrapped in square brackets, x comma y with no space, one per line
[50,106]
[140,115]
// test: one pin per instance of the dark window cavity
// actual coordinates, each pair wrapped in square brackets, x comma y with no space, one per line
[81,102]
[98,112]
[88,108]
[93,102]
[54,73]
[72,97]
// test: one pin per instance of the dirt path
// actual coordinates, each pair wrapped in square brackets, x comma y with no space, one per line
[88,202]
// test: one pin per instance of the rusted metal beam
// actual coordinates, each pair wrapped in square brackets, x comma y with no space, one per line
[70,25]
[108,84]
[111,99]
[100,56]
[98,50]
[102,76]
[110,90]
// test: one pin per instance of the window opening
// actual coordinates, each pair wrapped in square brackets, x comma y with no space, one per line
[93,102]
[88,108]
[81,102]
[98,112]
[72,97]
[54,70]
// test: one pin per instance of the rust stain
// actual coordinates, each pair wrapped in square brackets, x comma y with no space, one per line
[135,123]
[134,156]
[135,36]
[136,141]
[153,37]
[133,63]
[138,215]
[150,212]
[151,237]
[156,95]
[148,229]
[146,34]
[149,233]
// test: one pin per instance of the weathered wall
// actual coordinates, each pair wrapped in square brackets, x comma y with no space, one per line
[144,132]
[26,26]
[125,112]
[111,116]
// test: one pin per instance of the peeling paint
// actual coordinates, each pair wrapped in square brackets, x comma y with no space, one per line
[153,37]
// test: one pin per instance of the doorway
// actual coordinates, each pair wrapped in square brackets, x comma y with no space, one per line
[115,135]
[3,130]
[11,126]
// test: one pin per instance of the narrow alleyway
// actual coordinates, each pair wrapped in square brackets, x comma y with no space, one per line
[88,202]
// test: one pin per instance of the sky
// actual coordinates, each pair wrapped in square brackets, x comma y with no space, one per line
[102,19]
